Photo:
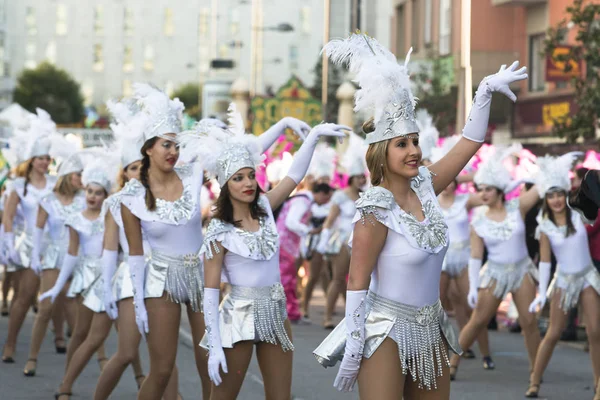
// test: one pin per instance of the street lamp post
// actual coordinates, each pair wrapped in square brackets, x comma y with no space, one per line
[325,62]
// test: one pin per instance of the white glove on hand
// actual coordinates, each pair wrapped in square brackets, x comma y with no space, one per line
[474,268]
[66,270]
[540,299]
[137,269]
[8,247]
[355,340]
[304,154]
[36,262]
[216,355]
[323,240]
[477,124]
[269,137]
[109,266]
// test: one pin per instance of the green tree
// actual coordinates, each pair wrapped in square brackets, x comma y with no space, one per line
[585,18]
[52,89]
[334,80]
[433,89]
[189,94]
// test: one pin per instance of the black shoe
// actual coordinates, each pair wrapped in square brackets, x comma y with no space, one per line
[533,391]
[493,325]
[60,349]
[30,372]
[488,363]
[468,354]
[7,359]
[586,199]
[57,396]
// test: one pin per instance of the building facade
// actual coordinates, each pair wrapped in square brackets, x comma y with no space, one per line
[6,82]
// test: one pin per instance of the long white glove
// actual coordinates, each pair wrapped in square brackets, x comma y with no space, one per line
[540,299]
[137,269]
[355,340]
[66,270]
[304,154]
[269,137]
[109,266]
[36,262]
[216,355]
[8,247]
[477,124]
[474,268]
[323,239]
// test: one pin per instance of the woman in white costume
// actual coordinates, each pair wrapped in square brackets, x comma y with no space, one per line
[395,337]
[562,232]
[27,192]
[86,234]
[67,198]
[499,227]
[242,244]
[165,205]
[337,228]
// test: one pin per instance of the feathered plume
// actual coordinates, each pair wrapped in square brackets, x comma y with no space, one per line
[494,172]
[323,161]
[376,71]
[160,114]
[236,123]
[428,134]
[554,172]
[353,161]
[101,166]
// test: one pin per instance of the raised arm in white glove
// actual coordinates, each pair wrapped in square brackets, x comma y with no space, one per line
[137,269]
[304,154]
[36,262]
[269,137]
[109,266]
[474,268]
[540,299]
[476,126]
[66,270]
[355,340]
[216,355]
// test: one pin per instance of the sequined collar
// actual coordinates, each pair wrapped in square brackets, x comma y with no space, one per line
[500,230]
[457,208]
[263,243]
[87,226]
[63,211]
[430,233]
[175,211]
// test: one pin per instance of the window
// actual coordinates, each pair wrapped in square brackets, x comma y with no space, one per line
[149,57]
[127,88]
[445,27]
[51,52]
[128,23]
[30,55]
[88,92]
[99,20]
[537,79]
[427,25]
[305,19]
[234,21]
[415,25]
[204,59]
[203,22]
[61,19]
[223,51]
[169,28]
[127,58]
[294,57]
[30,21]
[98,58]
[400,33]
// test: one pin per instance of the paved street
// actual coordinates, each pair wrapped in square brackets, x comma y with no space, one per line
[569,375]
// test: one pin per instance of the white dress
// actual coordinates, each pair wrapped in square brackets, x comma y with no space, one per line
[342,227]
[575,269]
[459,251]
[255,309]
[174,233]
[403,298]
[508,260]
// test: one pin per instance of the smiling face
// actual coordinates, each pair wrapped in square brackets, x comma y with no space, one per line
[132,171]
[556,201]
[404,156]
[94,196]
[243,186]
[163,153]
[489,194]
[75,179]
[40,164]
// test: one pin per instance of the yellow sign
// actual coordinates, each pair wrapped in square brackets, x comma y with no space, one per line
[555,111]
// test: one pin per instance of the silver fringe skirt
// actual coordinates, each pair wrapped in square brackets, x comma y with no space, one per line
[456,259]
[93,296]
[507,277]
[418,332]
[256,314]
[122,287]
[569,286]
[86,274]
[54,254]
[24,247]
[179,276]
[337,241]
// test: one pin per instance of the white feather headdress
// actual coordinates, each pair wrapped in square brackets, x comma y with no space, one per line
[35,140]
[66,153]
[101,167]
[223,152]
[128,126]
[554,172]
[384,84]
[428,134]
[278,169]
[159,114]
[323,161]
[354,161]
[493,172]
